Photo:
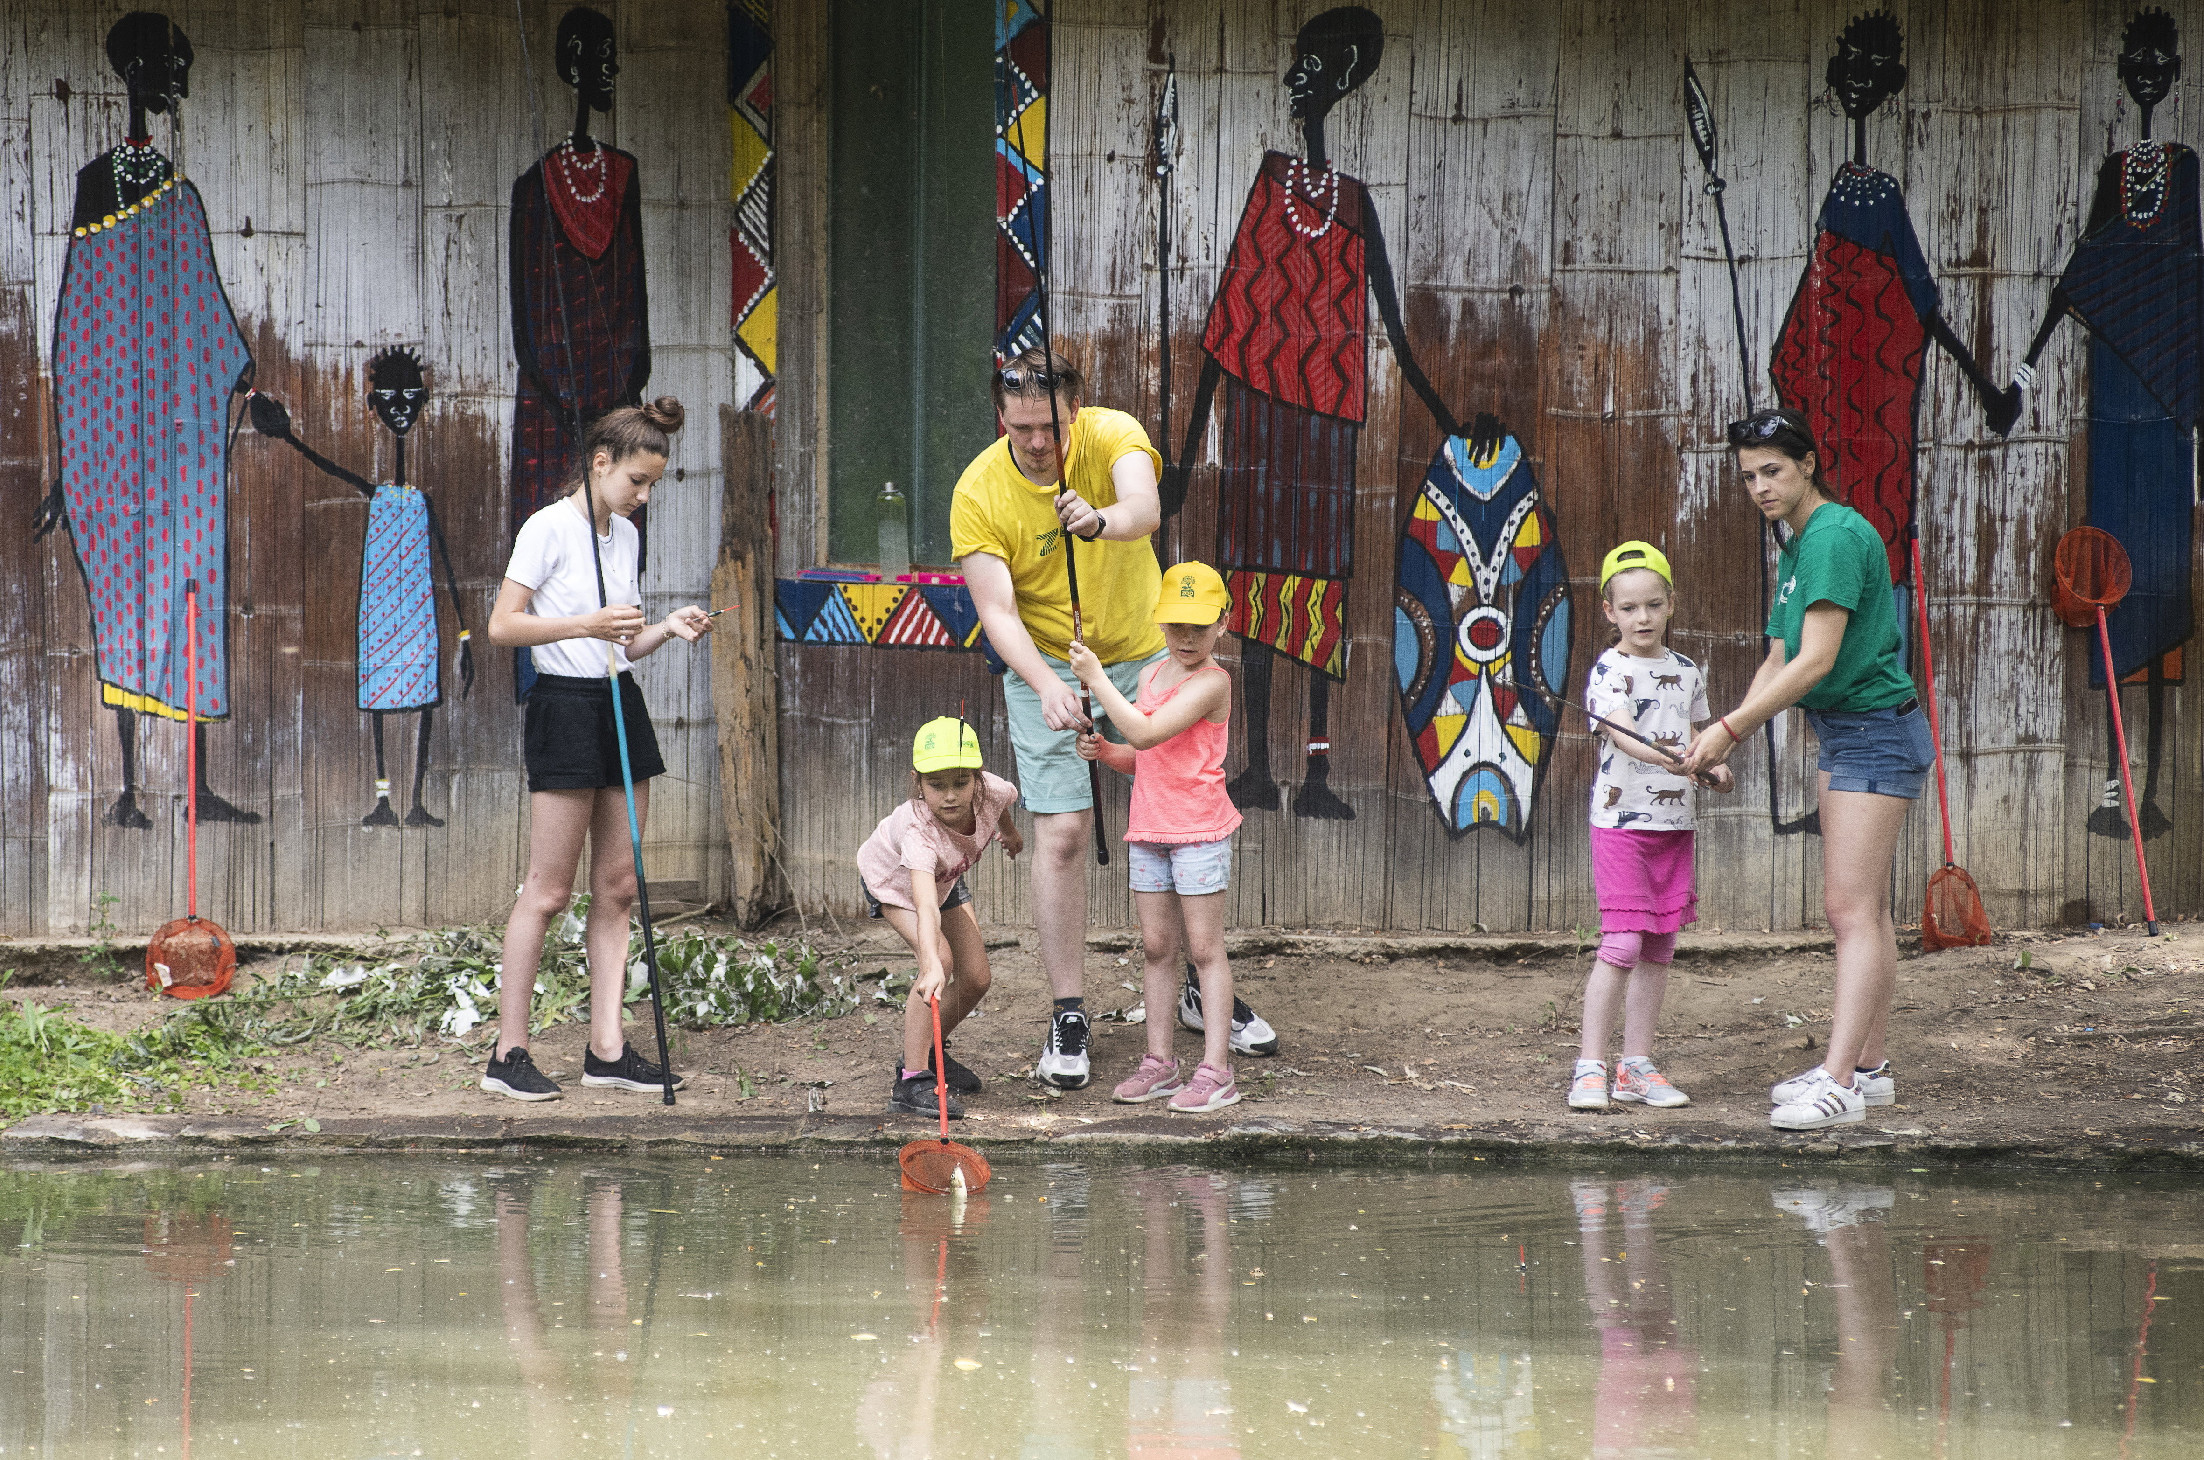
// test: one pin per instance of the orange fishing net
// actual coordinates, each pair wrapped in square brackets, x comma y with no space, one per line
[190,958]
[1952,915]
[931,1165]
[2090,571]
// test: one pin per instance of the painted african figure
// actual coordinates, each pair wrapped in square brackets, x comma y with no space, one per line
[1287,335]
[1481,633]
[2136,283]
[147,354]
[581,318]
[1851,349]
[398,636]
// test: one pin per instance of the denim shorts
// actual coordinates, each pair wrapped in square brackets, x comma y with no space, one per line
[1191,869]
[958,896]
[1882,752]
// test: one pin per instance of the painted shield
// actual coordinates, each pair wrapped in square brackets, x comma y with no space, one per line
[1481,636]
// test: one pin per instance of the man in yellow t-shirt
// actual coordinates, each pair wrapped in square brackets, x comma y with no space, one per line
[1007,525]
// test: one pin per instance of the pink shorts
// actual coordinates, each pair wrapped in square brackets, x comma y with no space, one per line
[1643,880]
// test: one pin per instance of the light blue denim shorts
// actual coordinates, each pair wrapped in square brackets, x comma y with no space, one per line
[1882,752]
[1190,869]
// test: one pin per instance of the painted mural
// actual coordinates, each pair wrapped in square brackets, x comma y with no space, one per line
[750,108]
[580,305]
[399,643]
[147,359]
[1287,338]
[1850,352]
[1021,174]
[2136,283]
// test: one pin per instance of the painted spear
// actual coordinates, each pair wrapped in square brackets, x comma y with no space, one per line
[1699,115]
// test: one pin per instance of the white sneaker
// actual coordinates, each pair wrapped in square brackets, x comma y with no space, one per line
[1827,1210]
[1063,1061]
[1250,1034]
[1588,1086]
[1824,1102]
[1879,1085]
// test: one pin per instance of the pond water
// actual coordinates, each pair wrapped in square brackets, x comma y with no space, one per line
[777,1306]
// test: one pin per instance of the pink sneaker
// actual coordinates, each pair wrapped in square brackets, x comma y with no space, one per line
[1152,1081]
[1210,1089]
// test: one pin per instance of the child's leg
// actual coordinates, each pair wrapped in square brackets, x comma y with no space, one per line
[557,822]
[1648,986]
[918,1020]
[611,899]
[1203,919]
[969,975]
[1603,993]
[1162,934]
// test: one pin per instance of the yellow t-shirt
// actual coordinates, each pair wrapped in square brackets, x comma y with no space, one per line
[996,510]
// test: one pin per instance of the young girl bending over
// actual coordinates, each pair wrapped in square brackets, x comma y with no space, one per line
[911,870]
[1179,837]
[551,602]
[1641,828]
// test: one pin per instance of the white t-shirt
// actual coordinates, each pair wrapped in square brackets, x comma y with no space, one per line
[551,556]
[1661,699]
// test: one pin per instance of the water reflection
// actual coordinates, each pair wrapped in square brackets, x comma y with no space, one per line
[785,1308]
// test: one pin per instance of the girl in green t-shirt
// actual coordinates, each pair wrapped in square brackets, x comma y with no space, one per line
[1834,652]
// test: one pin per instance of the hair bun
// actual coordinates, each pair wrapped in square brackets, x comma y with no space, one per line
[665,413]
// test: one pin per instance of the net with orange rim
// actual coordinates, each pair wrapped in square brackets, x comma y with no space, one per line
[1952,915]
[932,1165]
[2090,571]
[190,958]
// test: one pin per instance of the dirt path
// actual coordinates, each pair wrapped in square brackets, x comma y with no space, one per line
[2090,1047]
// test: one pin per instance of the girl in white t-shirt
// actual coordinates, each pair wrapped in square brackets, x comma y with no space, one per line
[911,871]
[550,602]
[1642,825]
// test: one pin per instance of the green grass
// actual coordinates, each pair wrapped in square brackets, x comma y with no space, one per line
[50,1062]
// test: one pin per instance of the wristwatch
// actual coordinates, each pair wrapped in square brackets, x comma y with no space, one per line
[1101,525]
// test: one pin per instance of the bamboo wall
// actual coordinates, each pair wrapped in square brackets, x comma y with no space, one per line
[1561,267]
[357,158]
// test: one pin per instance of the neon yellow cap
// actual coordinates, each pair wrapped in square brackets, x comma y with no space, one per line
[1631,555]
[945,744]
[1191,593]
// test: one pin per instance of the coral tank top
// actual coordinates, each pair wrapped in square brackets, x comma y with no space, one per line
[1178,786]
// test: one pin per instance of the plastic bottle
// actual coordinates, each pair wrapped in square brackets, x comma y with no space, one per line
[895,534]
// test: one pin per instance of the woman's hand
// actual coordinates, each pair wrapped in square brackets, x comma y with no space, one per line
[1089,745]
[689,623]
[1709,750]
[930,982]
[1085,665]
[617,624]
[1722,778]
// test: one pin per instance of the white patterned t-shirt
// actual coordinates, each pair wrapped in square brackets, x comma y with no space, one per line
[1661,699]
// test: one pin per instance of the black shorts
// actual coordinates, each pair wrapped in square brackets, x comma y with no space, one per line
[570,741]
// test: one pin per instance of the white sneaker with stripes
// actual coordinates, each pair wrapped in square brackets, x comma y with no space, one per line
[1823,1102]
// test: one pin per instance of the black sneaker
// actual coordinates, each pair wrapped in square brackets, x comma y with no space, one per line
[961,1080]
[1064,1058]
[629,1072]
[517,1077]
[915,1095]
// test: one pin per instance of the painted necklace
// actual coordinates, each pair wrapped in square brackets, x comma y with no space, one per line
[2144,173]
[137,168]
[569,166]
[1297,181]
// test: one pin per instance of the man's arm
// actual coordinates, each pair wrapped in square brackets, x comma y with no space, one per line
[996,598]
[1137,512]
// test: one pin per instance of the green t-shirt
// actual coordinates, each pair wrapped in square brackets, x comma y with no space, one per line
[1840,559]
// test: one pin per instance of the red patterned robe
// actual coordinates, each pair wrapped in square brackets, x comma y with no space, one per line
[1289,328]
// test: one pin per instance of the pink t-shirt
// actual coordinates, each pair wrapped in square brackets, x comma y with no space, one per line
[912,839]
[1178,787]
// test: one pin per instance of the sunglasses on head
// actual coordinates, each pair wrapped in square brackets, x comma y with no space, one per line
[1757,428]
[1018,378]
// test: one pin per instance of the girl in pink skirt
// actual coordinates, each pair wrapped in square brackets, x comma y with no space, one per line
[1642,824]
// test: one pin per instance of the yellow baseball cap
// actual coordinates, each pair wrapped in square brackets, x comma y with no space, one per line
[1632,555]
[945,744]
[1192,593]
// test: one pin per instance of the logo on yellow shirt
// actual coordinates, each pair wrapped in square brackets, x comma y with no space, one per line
[1049,539]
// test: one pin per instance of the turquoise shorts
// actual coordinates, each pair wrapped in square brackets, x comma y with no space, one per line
[1051,776]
